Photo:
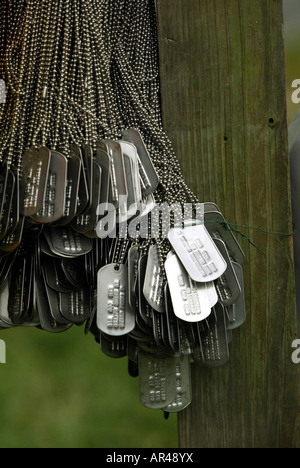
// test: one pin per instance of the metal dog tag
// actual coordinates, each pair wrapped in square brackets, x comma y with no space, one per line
[47,322]
[54,202]
[183,384]
[145,310]
[237,312]
[72,190]
[87,158]
[130,151]
[227,285]
[5,321]
[75,305]
[64,241]
[172,322]
[113,347]
[86,224]
[198,253]
[13,240]
[218,228]
[212,293]
[154,281]
[83,190]
[35,172]
[214,339]
[190,299]
[118,177]
[155,376]
[148,174]
[14,213]
[115,317]
[133,261]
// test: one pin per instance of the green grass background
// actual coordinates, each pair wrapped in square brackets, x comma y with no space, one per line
[60,391]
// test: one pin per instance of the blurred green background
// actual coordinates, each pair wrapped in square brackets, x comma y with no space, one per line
[60,391]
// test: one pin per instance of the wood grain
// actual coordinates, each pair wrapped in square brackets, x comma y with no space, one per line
[224,109]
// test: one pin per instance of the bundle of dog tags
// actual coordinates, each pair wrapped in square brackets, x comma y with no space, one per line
[70,256]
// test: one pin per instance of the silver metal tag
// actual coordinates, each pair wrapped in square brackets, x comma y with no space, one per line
[154,281]
[115,317]
[156,378]
[190,299]
[198,253]
[237,312]
[55,197]
[34,180]
[148,175]
[183,384]
[218,229]
[227,285]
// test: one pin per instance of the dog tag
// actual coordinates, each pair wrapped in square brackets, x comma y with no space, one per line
[55,196]
[16,289]
[154,281]
[54,304]
[115,317]
[190,299]
[6,265]
[148,174]
[113,347]
[237,311]
[34,179]
[130,151]
[172,322]
[72,190]
[145,310]
[47,322]
[214,339]
[14,213]
[227,285]
[83,190]
[86,224]
[183,385]
[218,228]
[5,321]
[133,261]
[13,240]
[155,375]
[118,177]
[6,205]
[65,242]
[198,253]
[87,157]
[75,305]
[212,293]
[72,269]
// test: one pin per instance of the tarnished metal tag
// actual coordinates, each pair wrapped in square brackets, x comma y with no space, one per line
[154,281]
[198,253]
[218,228]
[237,312]
[214,339]
[7,203]
[65,242]
[115,317]
[55,196]
[227,285]
[156,381]
[190,299]
[183,384]
[35,170]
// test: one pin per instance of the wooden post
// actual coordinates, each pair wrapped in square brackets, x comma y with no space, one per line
[224,108]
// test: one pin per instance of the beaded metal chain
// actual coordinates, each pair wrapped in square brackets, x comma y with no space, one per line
[83,70]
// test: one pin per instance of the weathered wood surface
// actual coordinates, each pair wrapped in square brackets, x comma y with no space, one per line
[224,108]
